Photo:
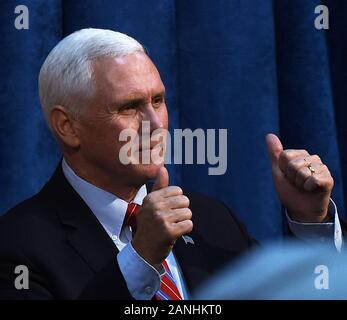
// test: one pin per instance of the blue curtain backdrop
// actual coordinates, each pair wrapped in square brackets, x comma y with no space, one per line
[250,66]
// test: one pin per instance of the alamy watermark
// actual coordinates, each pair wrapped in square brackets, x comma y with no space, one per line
[22,19]
[160,147]
[22,280]
[322,20]
[322,280]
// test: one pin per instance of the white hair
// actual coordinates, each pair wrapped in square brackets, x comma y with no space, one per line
[66,75]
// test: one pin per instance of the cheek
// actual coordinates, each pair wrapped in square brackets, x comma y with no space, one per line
[128,127]
[104,135]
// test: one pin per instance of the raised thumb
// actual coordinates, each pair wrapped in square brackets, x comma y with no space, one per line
[274,147]
[162,179]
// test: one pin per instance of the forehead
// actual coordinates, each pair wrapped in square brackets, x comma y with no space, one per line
[121,77]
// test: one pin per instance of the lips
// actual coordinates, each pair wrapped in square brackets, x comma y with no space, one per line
[152,146]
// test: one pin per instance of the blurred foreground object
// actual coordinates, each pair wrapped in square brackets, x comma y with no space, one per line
[288,271]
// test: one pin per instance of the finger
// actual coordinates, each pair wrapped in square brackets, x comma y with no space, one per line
[304,173]
[318,168]
[289,155]
[181,214]
[162,179]
[182,227]
[166,192]
[319,182]
[299,164]
[177,202]
[274,146]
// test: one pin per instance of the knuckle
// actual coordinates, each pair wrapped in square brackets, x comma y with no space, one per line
[178,190]
[157,206]
[174,190]
[291,154]
[316,157]
[186,200]
[325,168]
[317,181]
[303,152]
[299,153]
[158,218]
[292,165]
[186,214]
[190,225]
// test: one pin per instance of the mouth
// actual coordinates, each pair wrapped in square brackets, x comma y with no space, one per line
[151,148]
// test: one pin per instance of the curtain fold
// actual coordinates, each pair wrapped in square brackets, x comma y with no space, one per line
[28,150]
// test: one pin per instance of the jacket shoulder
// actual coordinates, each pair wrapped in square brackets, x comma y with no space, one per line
[25,211]
[27,224]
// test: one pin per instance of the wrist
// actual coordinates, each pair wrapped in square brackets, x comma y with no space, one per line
[146,255]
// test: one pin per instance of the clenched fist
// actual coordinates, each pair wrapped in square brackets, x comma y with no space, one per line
[163,218]
[302,181]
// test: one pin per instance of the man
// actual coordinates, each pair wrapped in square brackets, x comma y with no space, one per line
[96,230]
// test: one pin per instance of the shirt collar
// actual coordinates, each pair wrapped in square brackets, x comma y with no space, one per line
[108,208]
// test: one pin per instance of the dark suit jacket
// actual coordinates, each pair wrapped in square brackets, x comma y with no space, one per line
[70,256]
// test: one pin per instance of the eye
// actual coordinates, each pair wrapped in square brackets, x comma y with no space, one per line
[157,101]
[129,108]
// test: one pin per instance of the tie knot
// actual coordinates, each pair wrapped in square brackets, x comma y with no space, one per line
[131,214]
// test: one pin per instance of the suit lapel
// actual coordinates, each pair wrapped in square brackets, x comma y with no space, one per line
[84,232]
[93,245]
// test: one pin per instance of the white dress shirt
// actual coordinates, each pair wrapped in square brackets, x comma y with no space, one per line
[142,279]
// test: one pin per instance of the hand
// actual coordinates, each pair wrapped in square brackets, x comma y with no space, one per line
[305,194]
[163,218]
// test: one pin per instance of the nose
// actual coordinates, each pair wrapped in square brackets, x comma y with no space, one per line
[150,114]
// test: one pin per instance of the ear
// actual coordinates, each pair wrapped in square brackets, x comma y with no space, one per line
[63,124]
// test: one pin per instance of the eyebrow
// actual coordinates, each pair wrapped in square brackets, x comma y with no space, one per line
[133,98]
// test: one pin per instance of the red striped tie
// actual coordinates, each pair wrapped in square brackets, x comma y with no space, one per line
[168,289]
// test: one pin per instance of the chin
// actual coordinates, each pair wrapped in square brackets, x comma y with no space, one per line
[145,172]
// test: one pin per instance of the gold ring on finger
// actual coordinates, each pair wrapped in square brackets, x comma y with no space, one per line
[311,169]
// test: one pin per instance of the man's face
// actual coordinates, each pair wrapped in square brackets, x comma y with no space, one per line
[128,91]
